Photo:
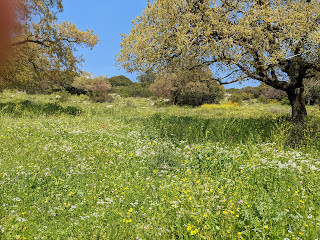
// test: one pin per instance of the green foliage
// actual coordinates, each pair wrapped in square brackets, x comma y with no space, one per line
[121,80]
[236,98]
[262,99]
[285,101]
[101,97]
[254,91]
[312,89]
[147,78]
[62,95]
[233,91]
[134,90]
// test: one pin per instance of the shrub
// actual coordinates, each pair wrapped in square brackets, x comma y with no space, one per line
[312,89]
[236,98]
[191,88]
[62,96]
[135,90]
[272,100]
[160,103]
[101,97]
[90,85]
[97,88]
[262,99]
[247,96]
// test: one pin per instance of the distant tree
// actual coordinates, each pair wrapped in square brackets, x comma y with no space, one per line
[255,91]
[188,87]
[121,80]
[271,93]
[147,78]
[233,90]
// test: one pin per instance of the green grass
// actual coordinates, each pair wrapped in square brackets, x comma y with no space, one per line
[129,170]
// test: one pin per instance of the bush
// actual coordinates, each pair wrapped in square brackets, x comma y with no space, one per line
[262,99]
[90,85]
[135,90]
[251,92]
[247,96]
[101,97]
[236,98]
[62,96]
[191,88]
[160,103]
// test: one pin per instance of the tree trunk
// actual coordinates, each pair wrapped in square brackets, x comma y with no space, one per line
[299,111]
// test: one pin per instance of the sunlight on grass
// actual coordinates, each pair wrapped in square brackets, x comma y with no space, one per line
[145,172]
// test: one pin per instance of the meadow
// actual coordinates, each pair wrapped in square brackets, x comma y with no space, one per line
[133,169]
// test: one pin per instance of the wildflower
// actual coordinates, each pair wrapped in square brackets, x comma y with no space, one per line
[266,227]
[194,232]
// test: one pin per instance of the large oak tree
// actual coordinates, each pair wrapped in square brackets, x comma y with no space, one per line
[272,41]
[41,46]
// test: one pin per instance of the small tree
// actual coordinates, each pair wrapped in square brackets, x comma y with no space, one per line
[188,88]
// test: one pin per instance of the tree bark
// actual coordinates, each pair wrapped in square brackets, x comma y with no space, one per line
[299,111]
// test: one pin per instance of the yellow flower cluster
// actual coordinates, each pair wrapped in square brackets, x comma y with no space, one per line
[192,229]
[219,106]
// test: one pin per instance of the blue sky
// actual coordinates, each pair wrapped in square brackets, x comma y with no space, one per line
[108,19]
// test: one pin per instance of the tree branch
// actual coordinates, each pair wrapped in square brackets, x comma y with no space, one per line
[29,41]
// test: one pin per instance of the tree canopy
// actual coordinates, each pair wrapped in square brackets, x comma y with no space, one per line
[41,44]
[275,42]
[121,80]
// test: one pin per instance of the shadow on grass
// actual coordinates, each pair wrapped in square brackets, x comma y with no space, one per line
[27,108]
[233,130]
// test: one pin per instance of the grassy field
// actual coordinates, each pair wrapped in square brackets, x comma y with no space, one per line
[131,170]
